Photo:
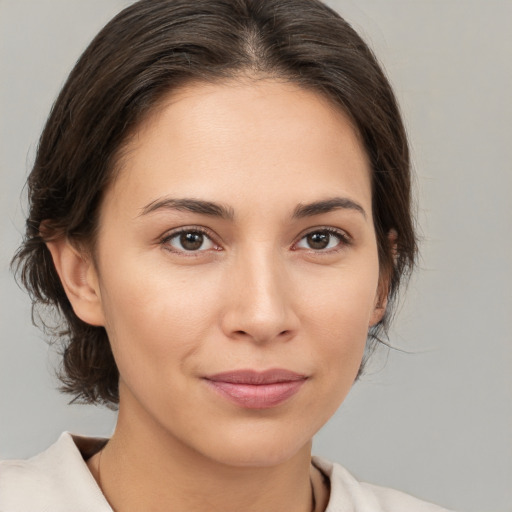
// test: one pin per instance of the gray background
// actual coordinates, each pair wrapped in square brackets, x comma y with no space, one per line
[435,422]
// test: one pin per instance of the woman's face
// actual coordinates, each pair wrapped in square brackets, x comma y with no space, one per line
[237,270]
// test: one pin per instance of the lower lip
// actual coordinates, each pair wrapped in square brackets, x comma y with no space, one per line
[261,396]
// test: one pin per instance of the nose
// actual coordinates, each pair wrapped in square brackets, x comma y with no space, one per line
[259,306]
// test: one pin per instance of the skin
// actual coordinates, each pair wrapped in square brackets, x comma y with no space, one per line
[255,295]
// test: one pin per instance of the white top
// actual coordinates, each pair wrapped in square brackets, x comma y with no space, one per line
[58,480]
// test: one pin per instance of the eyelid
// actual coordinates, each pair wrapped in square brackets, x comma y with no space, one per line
[168,235]
[345,239]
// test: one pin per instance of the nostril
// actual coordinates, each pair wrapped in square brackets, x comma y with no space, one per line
[262,337]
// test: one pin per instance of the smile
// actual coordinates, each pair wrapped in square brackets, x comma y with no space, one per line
[257,390]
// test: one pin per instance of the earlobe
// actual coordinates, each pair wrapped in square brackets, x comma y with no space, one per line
[379,309]
[79,280]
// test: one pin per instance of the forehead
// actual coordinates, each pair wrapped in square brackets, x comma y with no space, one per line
[242,138]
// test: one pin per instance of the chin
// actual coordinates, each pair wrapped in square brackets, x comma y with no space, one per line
[259,449]
[258,458]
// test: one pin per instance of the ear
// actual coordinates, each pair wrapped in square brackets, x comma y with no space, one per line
[381,301]
[381,296]
[79,280]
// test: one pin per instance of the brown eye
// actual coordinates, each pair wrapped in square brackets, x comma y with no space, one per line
[189,241]
[318,240]
[323,240]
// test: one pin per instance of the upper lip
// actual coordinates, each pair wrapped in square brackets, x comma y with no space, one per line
[254,377]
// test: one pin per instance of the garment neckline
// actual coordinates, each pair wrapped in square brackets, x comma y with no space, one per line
[89,446]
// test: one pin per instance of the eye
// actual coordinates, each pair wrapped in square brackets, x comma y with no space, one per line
[189,240]
[323,240]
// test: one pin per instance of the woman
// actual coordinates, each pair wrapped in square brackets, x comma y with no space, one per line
[220,210]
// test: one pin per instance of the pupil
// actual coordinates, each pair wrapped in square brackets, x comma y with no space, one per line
[318,240]
[191,241]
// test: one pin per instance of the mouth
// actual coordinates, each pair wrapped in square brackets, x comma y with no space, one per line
[252,389]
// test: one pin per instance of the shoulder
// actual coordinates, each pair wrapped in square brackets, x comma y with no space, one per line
[349,494]
[56,480]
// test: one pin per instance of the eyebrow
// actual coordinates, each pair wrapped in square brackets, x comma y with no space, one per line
[226,212]
[326,206]
[190,205]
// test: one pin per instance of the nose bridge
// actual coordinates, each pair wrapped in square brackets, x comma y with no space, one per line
[260,306]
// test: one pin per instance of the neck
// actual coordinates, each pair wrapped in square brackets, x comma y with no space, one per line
[147,469]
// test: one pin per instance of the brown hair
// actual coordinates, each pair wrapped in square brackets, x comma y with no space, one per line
[148,50]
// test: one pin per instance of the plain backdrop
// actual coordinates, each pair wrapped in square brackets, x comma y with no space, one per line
[434,420]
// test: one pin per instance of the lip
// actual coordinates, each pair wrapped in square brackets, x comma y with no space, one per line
[252,389]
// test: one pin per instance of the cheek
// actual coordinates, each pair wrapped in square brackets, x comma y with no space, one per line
[340,335]
[342,301]
[155,318]
[338,319]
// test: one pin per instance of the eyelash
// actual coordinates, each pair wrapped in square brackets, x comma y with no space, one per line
[165,241]
[344,240]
